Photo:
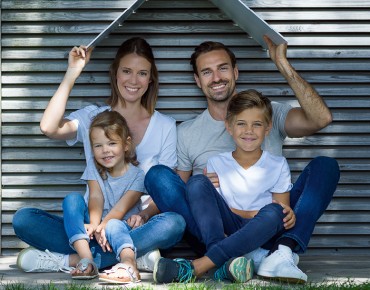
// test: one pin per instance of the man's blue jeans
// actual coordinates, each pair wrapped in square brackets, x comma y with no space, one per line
[46,231]
[309,197]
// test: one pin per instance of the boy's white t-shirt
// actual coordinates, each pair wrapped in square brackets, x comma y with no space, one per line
[252,188]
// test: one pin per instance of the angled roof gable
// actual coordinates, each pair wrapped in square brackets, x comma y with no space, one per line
[236,10]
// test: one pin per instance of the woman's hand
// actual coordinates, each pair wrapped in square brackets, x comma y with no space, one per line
[78,57]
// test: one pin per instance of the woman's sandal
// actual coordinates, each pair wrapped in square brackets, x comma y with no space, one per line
[82,266]
[130,276]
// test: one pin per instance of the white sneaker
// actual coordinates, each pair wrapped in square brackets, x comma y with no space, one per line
[258,254]
[33,260]
[147,261]
[280,265]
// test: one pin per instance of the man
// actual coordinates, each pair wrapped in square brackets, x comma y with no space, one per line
[216,72]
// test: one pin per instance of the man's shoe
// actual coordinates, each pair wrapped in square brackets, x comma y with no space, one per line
[258,254]
[33,260]
[177,270]
[147,261]
[280,265]
[237,270]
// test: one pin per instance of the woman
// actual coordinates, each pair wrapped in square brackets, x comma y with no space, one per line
[134,88]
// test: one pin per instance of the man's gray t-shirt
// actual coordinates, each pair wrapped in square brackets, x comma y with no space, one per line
[203,137]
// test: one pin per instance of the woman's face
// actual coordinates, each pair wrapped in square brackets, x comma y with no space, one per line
[133,77]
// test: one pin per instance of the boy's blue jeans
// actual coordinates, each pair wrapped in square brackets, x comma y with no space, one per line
[309,197]
[46,231]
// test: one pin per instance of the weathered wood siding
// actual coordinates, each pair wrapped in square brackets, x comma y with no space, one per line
[329,44]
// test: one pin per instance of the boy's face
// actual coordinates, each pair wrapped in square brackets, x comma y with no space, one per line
[249,129]
[216,76]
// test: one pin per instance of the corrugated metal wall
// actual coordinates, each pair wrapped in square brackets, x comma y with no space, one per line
[329,44]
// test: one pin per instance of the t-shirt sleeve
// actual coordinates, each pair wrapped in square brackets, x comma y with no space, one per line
[168,154]
[138,182]
[91,171]
[280,112]
[284,183]
[183,160]
[76,118]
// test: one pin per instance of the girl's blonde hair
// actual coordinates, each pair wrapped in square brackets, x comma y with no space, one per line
[247,100]
[114,125]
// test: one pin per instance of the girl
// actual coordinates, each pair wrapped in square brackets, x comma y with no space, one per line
[112,196]
[134,89]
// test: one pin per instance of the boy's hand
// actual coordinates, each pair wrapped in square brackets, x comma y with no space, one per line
[213,177]
[289,220]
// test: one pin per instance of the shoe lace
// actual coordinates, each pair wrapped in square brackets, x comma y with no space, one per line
[185,270]
[51,261]
[221,273]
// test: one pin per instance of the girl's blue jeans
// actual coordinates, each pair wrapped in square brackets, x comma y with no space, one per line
[46,231]
[309,197]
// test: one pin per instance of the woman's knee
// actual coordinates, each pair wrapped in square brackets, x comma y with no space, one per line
[155,173]
[21,218]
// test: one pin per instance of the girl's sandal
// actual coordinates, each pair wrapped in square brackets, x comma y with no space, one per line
[82,266]
[130,276]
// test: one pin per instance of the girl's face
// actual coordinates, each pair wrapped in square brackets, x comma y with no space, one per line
[249,129]
[133,77]
[109,153]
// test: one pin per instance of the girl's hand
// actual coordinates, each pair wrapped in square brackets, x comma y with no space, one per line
[90,230]
[79,57]
[101,239]
[289,220]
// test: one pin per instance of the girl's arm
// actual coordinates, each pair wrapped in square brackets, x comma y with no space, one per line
[53,123]
[96,204]
[284,200]
[127,201]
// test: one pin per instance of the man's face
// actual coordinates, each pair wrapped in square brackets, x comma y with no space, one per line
[216,76]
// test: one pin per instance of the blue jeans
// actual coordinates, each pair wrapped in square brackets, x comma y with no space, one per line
[46,231]
[309,197]
[243,235]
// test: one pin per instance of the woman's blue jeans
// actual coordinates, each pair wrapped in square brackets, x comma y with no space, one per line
[309,197]
[46,231]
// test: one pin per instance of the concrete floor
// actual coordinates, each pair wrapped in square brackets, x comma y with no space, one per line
[320,269]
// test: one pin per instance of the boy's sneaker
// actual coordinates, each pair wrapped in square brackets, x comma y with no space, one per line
[147,261]
[33,260]
[238,270]
[280,265]
[177,270]
[259,254]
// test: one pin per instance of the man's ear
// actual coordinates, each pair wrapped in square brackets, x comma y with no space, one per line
[197,81]
[236,72]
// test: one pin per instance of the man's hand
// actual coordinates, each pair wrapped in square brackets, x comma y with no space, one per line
[278,53]
[213,177]
[289,220]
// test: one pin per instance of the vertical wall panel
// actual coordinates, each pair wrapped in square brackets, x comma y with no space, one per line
[329,44]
